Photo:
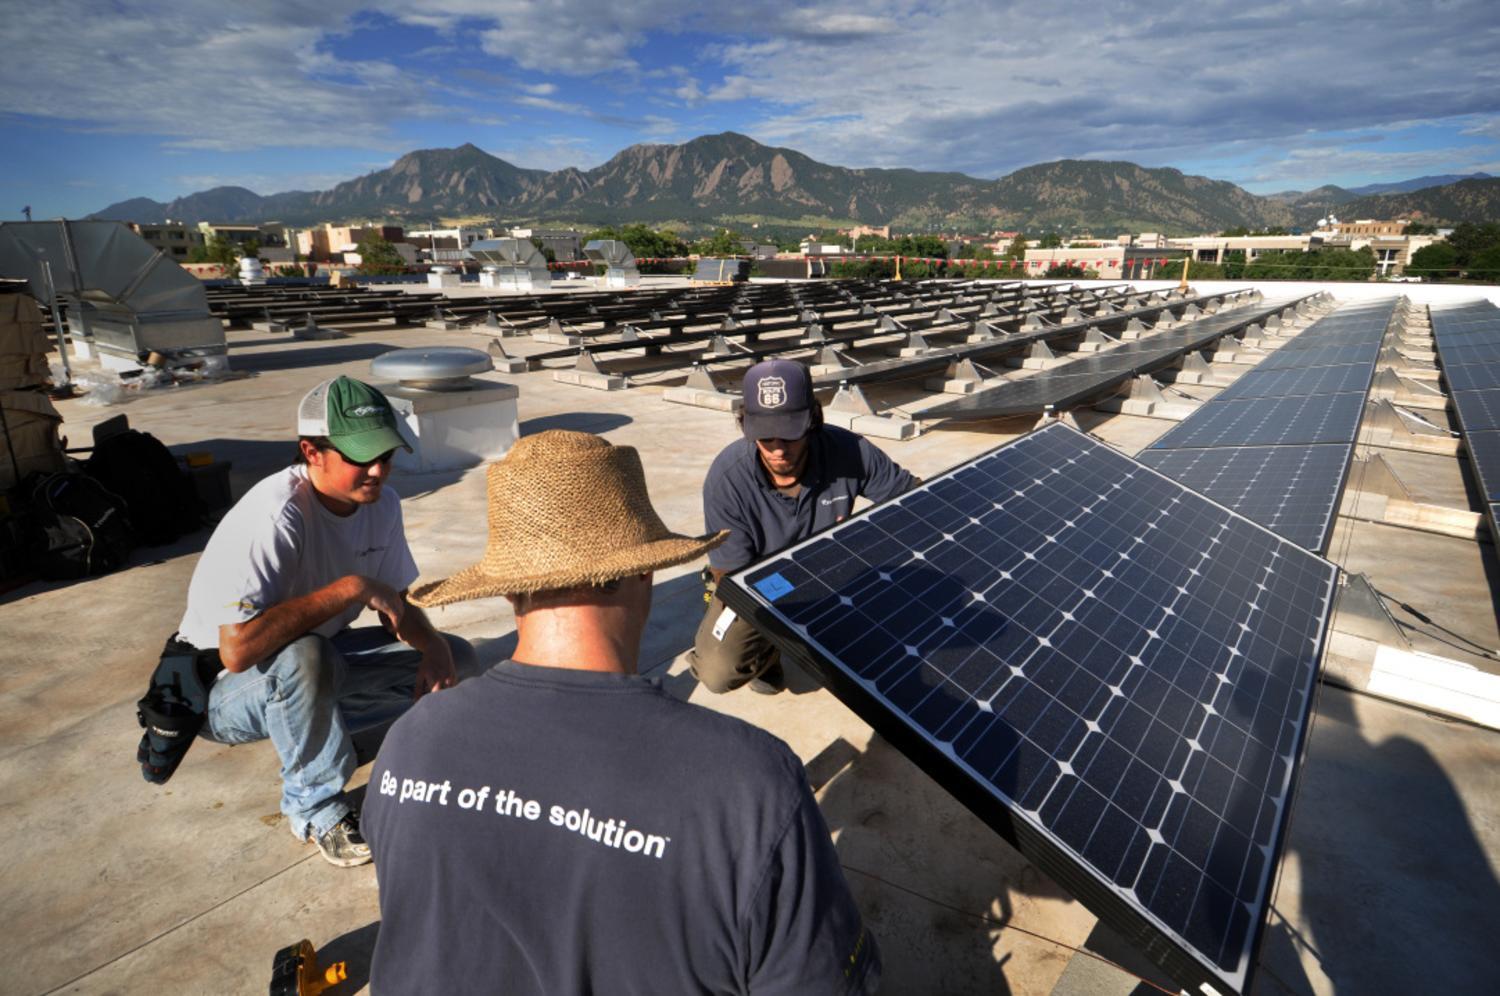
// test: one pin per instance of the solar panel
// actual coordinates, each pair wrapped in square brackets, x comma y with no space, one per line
[1276,444]
[1087,377]
[1291,490]
[1318,418]
[1456,356]
[1484,460]
[939,357]
[1467,337]
[1480,409]
[1111,670]
[1472,333]
[1286,381]
[1315,356]
[1472,376]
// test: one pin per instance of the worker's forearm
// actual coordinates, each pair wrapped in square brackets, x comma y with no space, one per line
[244,645]
[416,630]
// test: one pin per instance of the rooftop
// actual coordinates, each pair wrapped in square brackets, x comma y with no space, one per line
[1388,882]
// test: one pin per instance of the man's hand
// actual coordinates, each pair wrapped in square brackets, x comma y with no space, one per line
[385,600]
[436,670]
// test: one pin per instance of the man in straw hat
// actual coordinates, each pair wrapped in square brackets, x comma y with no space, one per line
[561,824]
[790,477]
[296,560]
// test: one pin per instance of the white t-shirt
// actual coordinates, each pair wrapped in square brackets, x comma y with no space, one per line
[279,542]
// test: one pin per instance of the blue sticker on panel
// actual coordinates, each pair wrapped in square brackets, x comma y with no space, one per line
[773,587]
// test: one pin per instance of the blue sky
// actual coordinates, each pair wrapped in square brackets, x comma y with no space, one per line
[102,101]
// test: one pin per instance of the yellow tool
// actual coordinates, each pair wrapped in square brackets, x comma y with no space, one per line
[295,972]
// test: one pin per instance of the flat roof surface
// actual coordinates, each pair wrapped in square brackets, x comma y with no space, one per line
[1388,883]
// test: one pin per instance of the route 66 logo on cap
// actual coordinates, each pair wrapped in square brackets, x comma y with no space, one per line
[772,392]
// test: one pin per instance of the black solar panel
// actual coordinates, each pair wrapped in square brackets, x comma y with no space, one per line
[1457,356]
[1286,381]
[939,357]
[1276,444]
[1467,337]
[1472,376]
[1318,418]
[1291,490]
[1111,670]
[1467,334]
[1484,460]
[1480,409]
[1087,377]
[1315,356]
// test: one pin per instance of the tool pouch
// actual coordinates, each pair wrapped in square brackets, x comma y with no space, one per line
[174,708]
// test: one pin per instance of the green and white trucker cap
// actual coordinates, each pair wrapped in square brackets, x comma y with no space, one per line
[355,417]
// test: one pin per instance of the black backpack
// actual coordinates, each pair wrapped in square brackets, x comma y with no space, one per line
[162,500]
[78,528]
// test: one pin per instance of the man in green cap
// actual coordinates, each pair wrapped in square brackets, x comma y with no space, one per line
[286,571]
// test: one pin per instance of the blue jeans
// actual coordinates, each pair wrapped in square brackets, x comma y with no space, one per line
[308,699]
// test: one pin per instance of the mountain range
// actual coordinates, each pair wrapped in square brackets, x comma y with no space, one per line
[729,179]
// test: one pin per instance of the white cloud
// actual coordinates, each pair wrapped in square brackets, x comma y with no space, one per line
[981,88]
[986,89]
[659,127]
[1488,126]
[552,152]
[548,104]
[1316,165]
[222,78]
[261,183]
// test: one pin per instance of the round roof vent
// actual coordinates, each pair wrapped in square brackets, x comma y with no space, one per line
[441,368]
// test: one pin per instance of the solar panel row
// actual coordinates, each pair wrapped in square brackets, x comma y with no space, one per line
[940,357]
[1082,379]
[1112,671]
[1276,444]
[1284,488]
[1468,350]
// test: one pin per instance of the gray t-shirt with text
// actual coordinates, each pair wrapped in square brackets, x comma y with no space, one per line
[543,830]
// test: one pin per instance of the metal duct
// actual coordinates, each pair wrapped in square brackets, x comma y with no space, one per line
[617,258]
[126,297]
[511,264]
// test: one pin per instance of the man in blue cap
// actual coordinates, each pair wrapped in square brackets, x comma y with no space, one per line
[790,477]
[286,571]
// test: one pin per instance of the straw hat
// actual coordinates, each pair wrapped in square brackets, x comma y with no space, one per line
[566,509]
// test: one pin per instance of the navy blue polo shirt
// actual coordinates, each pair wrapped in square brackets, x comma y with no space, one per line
[738,494]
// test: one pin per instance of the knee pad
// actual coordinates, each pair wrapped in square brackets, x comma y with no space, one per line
[174,708]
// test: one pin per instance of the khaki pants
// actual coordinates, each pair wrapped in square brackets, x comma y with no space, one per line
[739,653]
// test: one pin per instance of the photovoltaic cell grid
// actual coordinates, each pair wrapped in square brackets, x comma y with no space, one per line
[1291,381]
[1318,356]
[1467,337]
[1067,639]
[1479,354]
[1317,418]
[1276,444]
[1291,490]
[1086,377]
[1481,409]
[1473,376]
[1484,455]
[938,358]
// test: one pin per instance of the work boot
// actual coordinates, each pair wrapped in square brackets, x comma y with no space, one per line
[343,846]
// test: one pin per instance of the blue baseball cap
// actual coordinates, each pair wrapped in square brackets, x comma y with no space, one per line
[778,400]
